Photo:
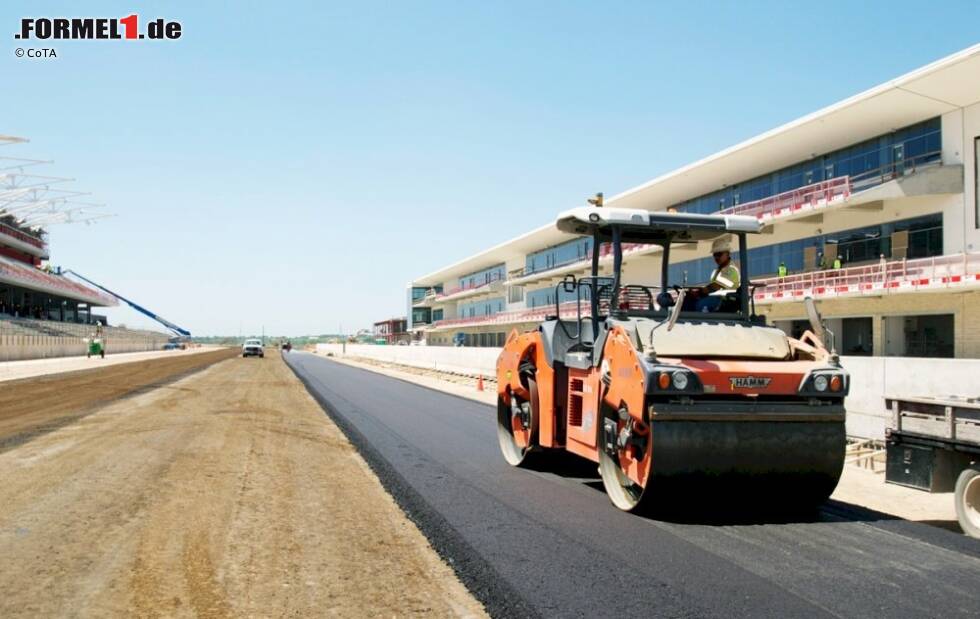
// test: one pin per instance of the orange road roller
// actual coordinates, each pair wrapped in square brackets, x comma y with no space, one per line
[675,390]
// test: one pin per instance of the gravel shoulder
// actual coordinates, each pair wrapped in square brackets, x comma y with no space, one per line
[226,493]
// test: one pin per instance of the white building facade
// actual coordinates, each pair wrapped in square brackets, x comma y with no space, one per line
[871,205]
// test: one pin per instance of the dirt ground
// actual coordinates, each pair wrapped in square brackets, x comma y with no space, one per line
[227,493]
[31,406]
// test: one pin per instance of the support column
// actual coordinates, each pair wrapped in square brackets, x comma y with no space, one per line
[878,335]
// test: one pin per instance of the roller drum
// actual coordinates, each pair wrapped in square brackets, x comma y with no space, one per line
[797,464]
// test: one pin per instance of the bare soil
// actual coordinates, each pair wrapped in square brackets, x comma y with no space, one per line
[226,493]
[32,406]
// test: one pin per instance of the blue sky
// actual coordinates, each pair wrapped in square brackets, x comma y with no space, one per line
[292,165]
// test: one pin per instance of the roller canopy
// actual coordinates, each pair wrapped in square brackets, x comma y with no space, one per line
[642,226]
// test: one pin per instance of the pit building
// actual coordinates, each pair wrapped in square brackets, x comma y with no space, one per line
[871,204]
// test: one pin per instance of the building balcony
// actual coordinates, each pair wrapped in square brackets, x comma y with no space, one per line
[495,284]
[32,278]
[521,277]
[921,175]
[796,201]
[427,299]
[954,272]
[532,315]
[34,245]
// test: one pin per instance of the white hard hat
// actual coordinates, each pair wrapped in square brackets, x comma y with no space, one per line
[722,243]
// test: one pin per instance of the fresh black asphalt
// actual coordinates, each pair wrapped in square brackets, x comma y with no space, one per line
[548,542]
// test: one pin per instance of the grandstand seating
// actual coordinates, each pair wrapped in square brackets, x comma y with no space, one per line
[28,326]
[24,338]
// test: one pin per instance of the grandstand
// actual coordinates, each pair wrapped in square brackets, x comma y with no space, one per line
[22,338]
[43,313]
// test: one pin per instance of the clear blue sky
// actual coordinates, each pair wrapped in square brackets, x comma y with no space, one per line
[294,164]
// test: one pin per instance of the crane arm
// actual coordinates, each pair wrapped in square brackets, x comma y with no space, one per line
[139,308]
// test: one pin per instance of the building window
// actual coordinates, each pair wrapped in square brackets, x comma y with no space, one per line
[558,255]
[483,277]
[920,336]
[856,337]
[480,308]
[421,315]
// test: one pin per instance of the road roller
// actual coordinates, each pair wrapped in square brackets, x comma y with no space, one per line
[679,393]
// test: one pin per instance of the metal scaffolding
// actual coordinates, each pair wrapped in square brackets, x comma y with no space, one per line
[31,202]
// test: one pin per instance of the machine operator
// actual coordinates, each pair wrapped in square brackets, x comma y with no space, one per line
[724,279]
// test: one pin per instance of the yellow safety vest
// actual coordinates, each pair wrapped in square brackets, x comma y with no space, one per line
[726,277]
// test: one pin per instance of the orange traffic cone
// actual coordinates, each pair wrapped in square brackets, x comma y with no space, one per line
[479,383]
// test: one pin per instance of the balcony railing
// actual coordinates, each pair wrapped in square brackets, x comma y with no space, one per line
[896,276]
[788,202]
[606,251]
[833,190]
[536,314]
[21,236]
[959,270]
[492,279]
[895,169]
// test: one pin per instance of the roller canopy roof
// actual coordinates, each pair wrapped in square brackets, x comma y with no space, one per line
[639,225]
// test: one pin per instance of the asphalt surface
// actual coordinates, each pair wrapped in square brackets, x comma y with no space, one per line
[549,542]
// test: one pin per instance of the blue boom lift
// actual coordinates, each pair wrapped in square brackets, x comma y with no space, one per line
[179,332]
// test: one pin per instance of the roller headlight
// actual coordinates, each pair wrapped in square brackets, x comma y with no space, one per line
[680,380]
[820,382]
[665,380]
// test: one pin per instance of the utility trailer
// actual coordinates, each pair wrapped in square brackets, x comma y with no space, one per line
[933,444]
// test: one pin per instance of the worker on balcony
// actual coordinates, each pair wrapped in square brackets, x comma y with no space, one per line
[837,263]
[782,269]
[724,279]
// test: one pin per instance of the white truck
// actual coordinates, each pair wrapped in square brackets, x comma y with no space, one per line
[253,348]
